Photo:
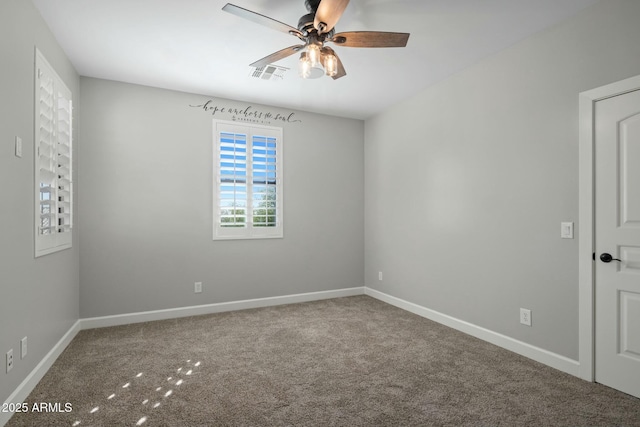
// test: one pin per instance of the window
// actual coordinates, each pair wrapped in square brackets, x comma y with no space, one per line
[247,197]
[53,160]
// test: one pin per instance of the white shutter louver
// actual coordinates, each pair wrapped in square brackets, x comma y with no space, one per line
[53,160]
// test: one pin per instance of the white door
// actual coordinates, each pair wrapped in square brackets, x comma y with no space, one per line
[617,242]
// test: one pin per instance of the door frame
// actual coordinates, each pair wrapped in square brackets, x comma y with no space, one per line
[586,231]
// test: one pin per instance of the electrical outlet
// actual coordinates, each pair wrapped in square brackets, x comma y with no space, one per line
[525,316]
[197,287]
[23,348]
[9,360]
[380,275]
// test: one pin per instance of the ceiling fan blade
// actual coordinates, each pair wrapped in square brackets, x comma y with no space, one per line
[277,56]
[370,39]
[261,19]
[328,14]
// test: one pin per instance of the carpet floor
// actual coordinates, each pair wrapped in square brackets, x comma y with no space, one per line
[351,361]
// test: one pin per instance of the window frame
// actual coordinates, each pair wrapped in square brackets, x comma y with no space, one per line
[273,182]
[53,144]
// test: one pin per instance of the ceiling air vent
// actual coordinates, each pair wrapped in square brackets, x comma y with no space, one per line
[268,72]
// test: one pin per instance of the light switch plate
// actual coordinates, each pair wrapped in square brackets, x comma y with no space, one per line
[23,348]
[566,230]
[18,146]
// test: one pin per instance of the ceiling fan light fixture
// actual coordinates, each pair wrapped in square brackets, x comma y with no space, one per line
[308,69]
[330,64]
[304,66]
[313,53]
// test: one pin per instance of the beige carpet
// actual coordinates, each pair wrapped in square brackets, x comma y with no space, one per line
[343,362]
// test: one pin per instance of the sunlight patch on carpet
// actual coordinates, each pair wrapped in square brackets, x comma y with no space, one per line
[131,385]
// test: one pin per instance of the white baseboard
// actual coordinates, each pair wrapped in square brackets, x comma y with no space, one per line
[546,357]
[30,382]
[172,313]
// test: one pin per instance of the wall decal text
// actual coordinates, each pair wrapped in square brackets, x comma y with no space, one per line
[247,114]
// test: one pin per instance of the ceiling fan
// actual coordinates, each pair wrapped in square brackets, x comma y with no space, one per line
[315,29]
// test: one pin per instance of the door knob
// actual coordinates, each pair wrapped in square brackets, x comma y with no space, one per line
[605,257]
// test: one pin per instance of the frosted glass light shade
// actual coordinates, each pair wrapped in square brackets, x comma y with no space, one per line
[331,65]
[308,69]
[313,52]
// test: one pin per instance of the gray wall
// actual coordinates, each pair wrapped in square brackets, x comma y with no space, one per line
[38,297]
[145,205]
[467,182]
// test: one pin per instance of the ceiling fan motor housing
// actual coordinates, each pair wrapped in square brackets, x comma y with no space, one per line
[312,5]
[305,25]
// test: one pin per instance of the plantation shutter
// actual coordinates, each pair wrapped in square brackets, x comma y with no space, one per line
[233,180]
[248,193]
[53,160]
[264,178]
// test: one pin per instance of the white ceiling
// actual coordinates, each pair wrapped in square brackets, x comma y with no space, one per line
[193,46]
